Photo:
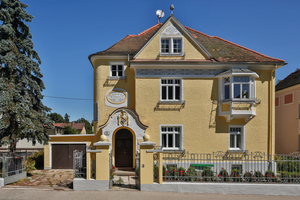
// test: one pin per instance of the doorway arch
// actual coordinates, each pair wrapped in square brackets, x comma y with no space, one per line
[123,148]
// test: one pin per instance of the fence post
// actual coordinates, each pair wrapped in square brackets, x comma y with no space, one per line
[146,163]
[160,168]
[102,160]
[88,165]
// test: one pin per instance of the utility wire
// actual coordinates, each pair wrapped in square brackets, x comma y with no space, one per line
[68,98]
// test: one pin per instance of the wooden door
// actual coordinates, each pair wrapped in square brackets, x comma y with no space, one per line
[123,148]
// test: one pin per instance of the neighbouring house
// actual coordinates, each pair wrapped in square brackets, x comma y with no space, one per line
[59,127]
[287,114]
[182,90]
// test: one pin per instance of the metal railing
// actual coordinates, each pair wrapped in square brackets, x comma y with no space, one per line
[229,167]
[79,164]
[12,164]
[137,170]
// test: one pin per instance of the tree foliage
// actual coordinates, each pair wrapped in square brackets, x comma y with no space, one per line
[67,118]
[57,118]
[69,130]
[88,126]
[22,113]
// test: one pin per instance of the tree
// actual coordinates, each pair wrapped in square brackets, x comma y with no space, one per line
[22,113]
[57,118]
[88,126]
[67,118]
[70,130]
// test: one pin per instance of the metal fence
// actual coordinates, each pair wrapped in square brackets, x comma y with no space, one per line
[137,170]
[79,164]
[12,164]
[111,171]
[229,167]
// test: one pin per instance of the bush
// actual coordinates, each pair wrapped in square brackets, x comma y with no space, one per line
[249,177]
[235,175]
[36,161]
[224,175]
[207,174]
[270,176]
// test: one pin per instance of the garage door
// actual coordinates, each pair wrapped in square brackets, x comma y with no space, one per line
[62,155]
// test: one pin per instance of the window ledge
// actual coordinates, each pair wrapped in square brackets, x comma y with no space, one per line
[172,54]
[116,77]
[241,100]
[238,151]
[172,102]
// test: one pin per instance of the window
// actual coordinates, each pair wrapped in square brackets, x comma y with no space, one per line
[288,98]
[236,138]
[170,89]
[238,87]
[237,167]
[116,69]
[277,101]
[171,137]
[171,46]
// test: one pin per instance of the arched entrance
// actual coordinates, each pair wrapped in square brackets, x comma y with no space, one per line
[123,148]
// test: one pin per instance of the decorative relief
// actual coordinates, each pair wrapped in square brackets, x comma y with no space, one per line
[179,72]
[117,97]
[170,30]
[123,119]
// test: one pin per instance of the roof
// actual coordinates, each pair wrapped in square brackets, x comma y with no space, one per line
[221,50]
[78,126]
[290,80]
[238,71]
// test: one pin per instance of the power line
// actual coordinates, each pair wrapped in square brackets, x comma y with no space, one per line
[68,98]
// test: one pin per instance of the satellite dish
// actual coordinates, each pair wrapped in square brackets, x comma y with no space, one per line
[160,14]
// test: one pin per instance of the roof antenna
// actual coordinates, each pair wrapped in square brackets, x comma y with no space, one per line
[172,8]
[160,14]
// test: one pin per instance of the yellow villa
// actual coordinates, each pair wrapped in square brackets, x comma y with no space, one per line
[171,88]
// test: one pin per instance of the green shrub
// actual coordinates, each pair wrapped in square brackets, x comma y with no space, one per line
[235,175]
[270,176]
[223,174]
[249,177]
[36,161]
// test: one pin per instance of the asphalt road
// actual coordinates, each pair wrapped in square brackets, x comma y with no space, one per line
[114,195]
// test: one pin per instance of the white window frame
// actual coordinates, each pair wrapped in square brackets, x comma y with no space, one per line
[180,126]
[174,90]
[171,45]
[243,137]
[117,63]
[251,83]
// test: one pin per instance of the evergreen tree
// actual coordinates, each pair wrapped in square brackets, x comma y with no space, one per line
[22,113]
[67,118]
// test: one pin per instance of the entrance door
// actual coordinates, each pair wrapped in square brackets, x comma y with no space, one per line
[123,148]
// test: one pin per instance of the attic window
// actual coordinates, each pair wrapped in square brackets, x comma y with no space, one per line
[171,46]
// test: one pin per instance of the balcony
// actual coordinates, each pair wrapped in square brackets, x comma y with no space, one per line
[238,109]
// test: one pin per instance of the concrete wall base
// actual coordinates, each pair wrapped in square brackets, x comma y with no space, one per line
[47,168]
[225,188]
[83,184]
[1,182]
[15,178]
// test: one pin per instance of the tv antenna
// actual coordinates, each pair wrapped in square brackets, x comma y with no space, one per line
[160,14]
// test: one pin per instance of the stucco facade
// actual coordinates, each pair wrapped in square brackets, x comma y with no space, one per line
[287,116]
[183,91]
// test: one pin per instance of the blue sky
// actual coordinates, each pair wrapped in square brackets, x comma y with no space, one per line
[66,32]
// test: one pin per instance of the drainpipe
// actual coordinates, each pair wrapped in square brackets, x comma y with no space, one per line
[271,106]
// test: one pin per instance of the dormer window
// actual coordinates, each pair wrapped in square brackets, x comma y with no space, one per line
[171,46]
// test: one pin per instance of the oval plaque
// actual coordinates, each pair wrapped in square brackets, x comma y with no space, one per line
[117,97]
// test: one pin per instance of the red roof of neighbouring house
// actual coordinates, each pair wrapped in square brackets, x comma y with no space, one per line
[78,126]
[290,80]
[220,49]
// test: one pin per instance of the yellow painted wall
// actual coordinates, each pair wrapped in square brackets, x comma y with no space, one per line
[101,72]
[151,51]
[198,135]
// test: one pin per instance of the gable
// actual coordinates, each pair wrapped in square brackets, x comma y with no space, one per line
[169,31]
